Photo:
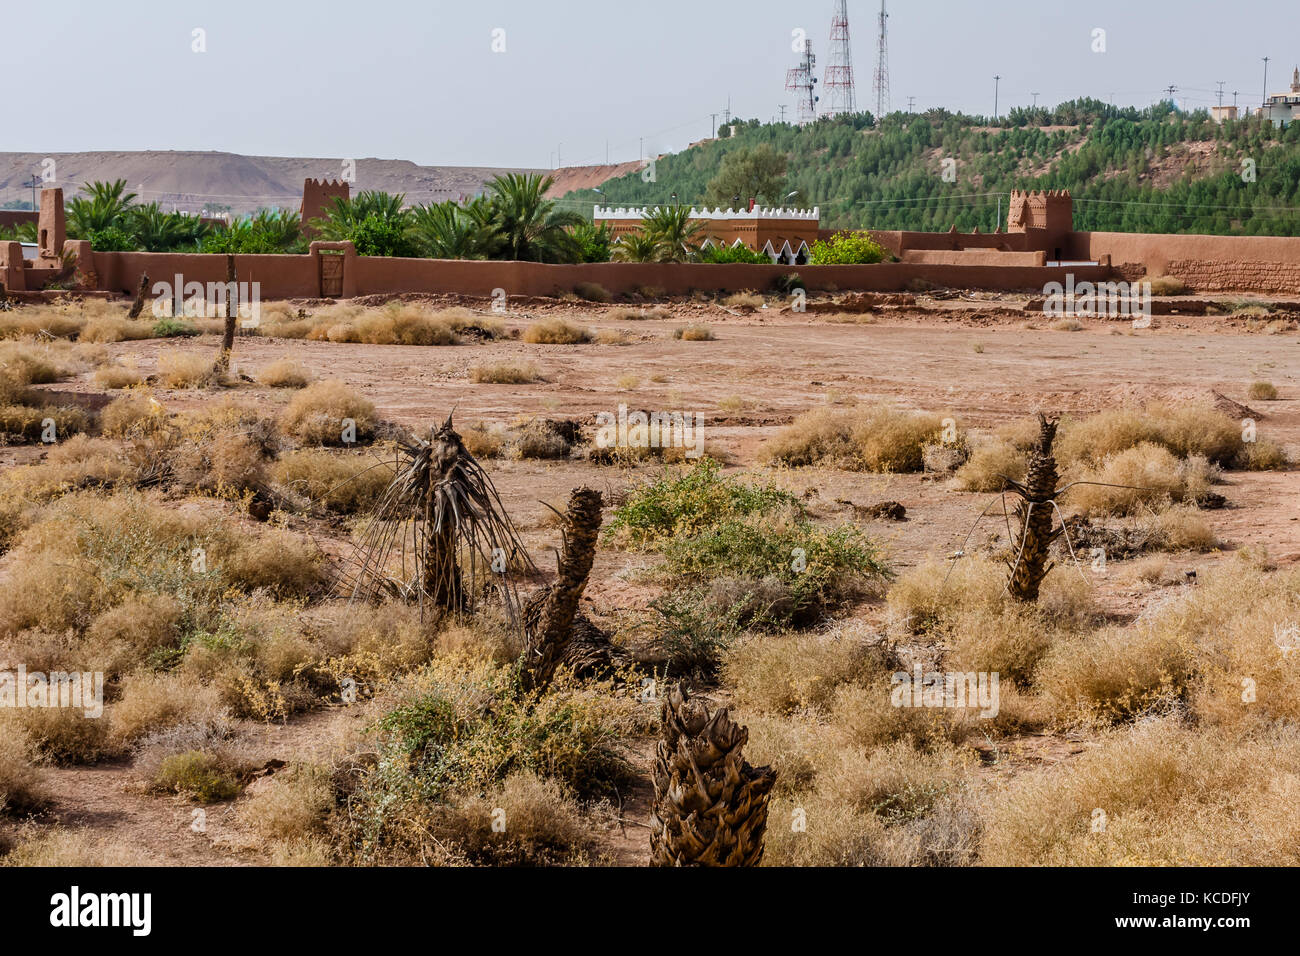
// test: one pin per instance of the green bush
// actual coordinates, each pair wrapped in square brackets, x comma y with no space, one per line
[847,248]
[720,255]
[197,774]
[173,328]
[685,502]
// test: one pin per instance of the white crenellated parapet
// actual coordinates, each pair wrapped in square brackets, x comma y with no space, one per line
[758,212]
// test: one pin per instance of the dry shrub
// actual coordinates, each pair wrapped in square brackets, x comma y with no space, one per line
[592,292]
[556,332]
[1009,641]
[506,373]
[131,413]
[22,786]
[1149,473]
[484,441]
[895,782]
[1066,325]
[60,735]
[1181,528]
[115,329]
[989,465]
[373,644]
[285,373]
[1167,285]
[279,563]
[128,633]
[30,423]
[744,300]
[796,672]
[75,848]
[203,777]
[1184,430]
[935,593]
[186,369]
[117,376]
[1262,392]
[1115,674]
[1262,455]
[292,805]
[398,323]
[342,482]
[878,438]
[613,337]
[544,826]
[625,314]
[1170,795]
[316,414]
[695,333]
[154,702]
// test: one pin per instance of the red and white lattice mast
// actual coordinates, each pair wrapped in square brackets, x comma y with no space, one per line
[841,90]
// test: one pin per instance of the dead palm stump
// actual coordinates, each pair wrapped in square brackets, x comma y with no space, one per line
[710,805]
[550,615]
[1034,516]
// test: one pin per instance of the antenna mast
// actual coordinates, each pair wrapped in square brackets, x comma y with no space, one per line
[880,85]
[804,85]
[839,74]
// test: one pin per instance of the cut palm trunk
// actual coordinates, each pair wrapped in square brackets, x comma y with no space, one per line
[1030,545]
[549,619]
[710,805]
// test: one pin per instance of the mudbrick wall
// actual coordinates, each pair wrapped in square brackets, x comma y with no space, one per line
[1267,264]
[282,277]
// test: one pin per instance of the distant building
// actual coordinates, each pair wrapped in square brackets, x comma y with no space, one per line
[784,235]
[1282,107]
[1223,114]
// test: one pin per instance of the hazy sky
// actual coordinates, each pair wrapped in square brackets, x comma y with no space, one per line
[418,79]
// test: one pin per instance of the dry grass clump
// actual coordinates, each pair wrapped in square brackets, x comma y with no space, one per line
[341,482]
[110,328]
[1183,430]
[627,314]
[613,337]
[22,786]
[1147,474]
[132,413]
[156,702]
[292,805]
[749,301]
[316,415]
[544,826]
[877,438]
[556,332]
[935,592]
[60,735]
[1066,325]
[484,441]
[1158,793]
[74,848]
[799,672]
[506,373]
[1262,392]
[117,376]
[695,333]
[592,292]
[285,373]
[988,467]
[187,369]
[1167,285]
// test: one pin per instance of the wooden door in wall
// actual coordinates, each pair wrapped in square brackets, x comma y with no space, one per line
[331,275]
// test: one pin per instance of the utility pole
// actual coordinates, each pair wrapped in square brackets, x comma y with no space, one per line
[1220,84]
[1035,96]
[1265,101]
[643,149]
[910,101]
[1171,90]
[1234,98]
[559,161]
[728,110]
[782,109]
[35,181]
[715,125]
[997,82]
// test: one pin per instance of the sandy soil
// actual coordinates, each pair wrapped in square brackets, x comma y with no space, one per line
[764,368]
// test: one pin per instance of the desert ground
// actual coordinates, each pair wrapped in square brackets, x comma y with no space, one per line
[1158,743]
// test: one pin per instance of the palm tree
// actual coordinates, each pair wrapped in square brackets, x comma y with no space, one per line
[636,247]
[532,228]
[345,215]
[449,230]
[675,231]
[106,207]
[158,231]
